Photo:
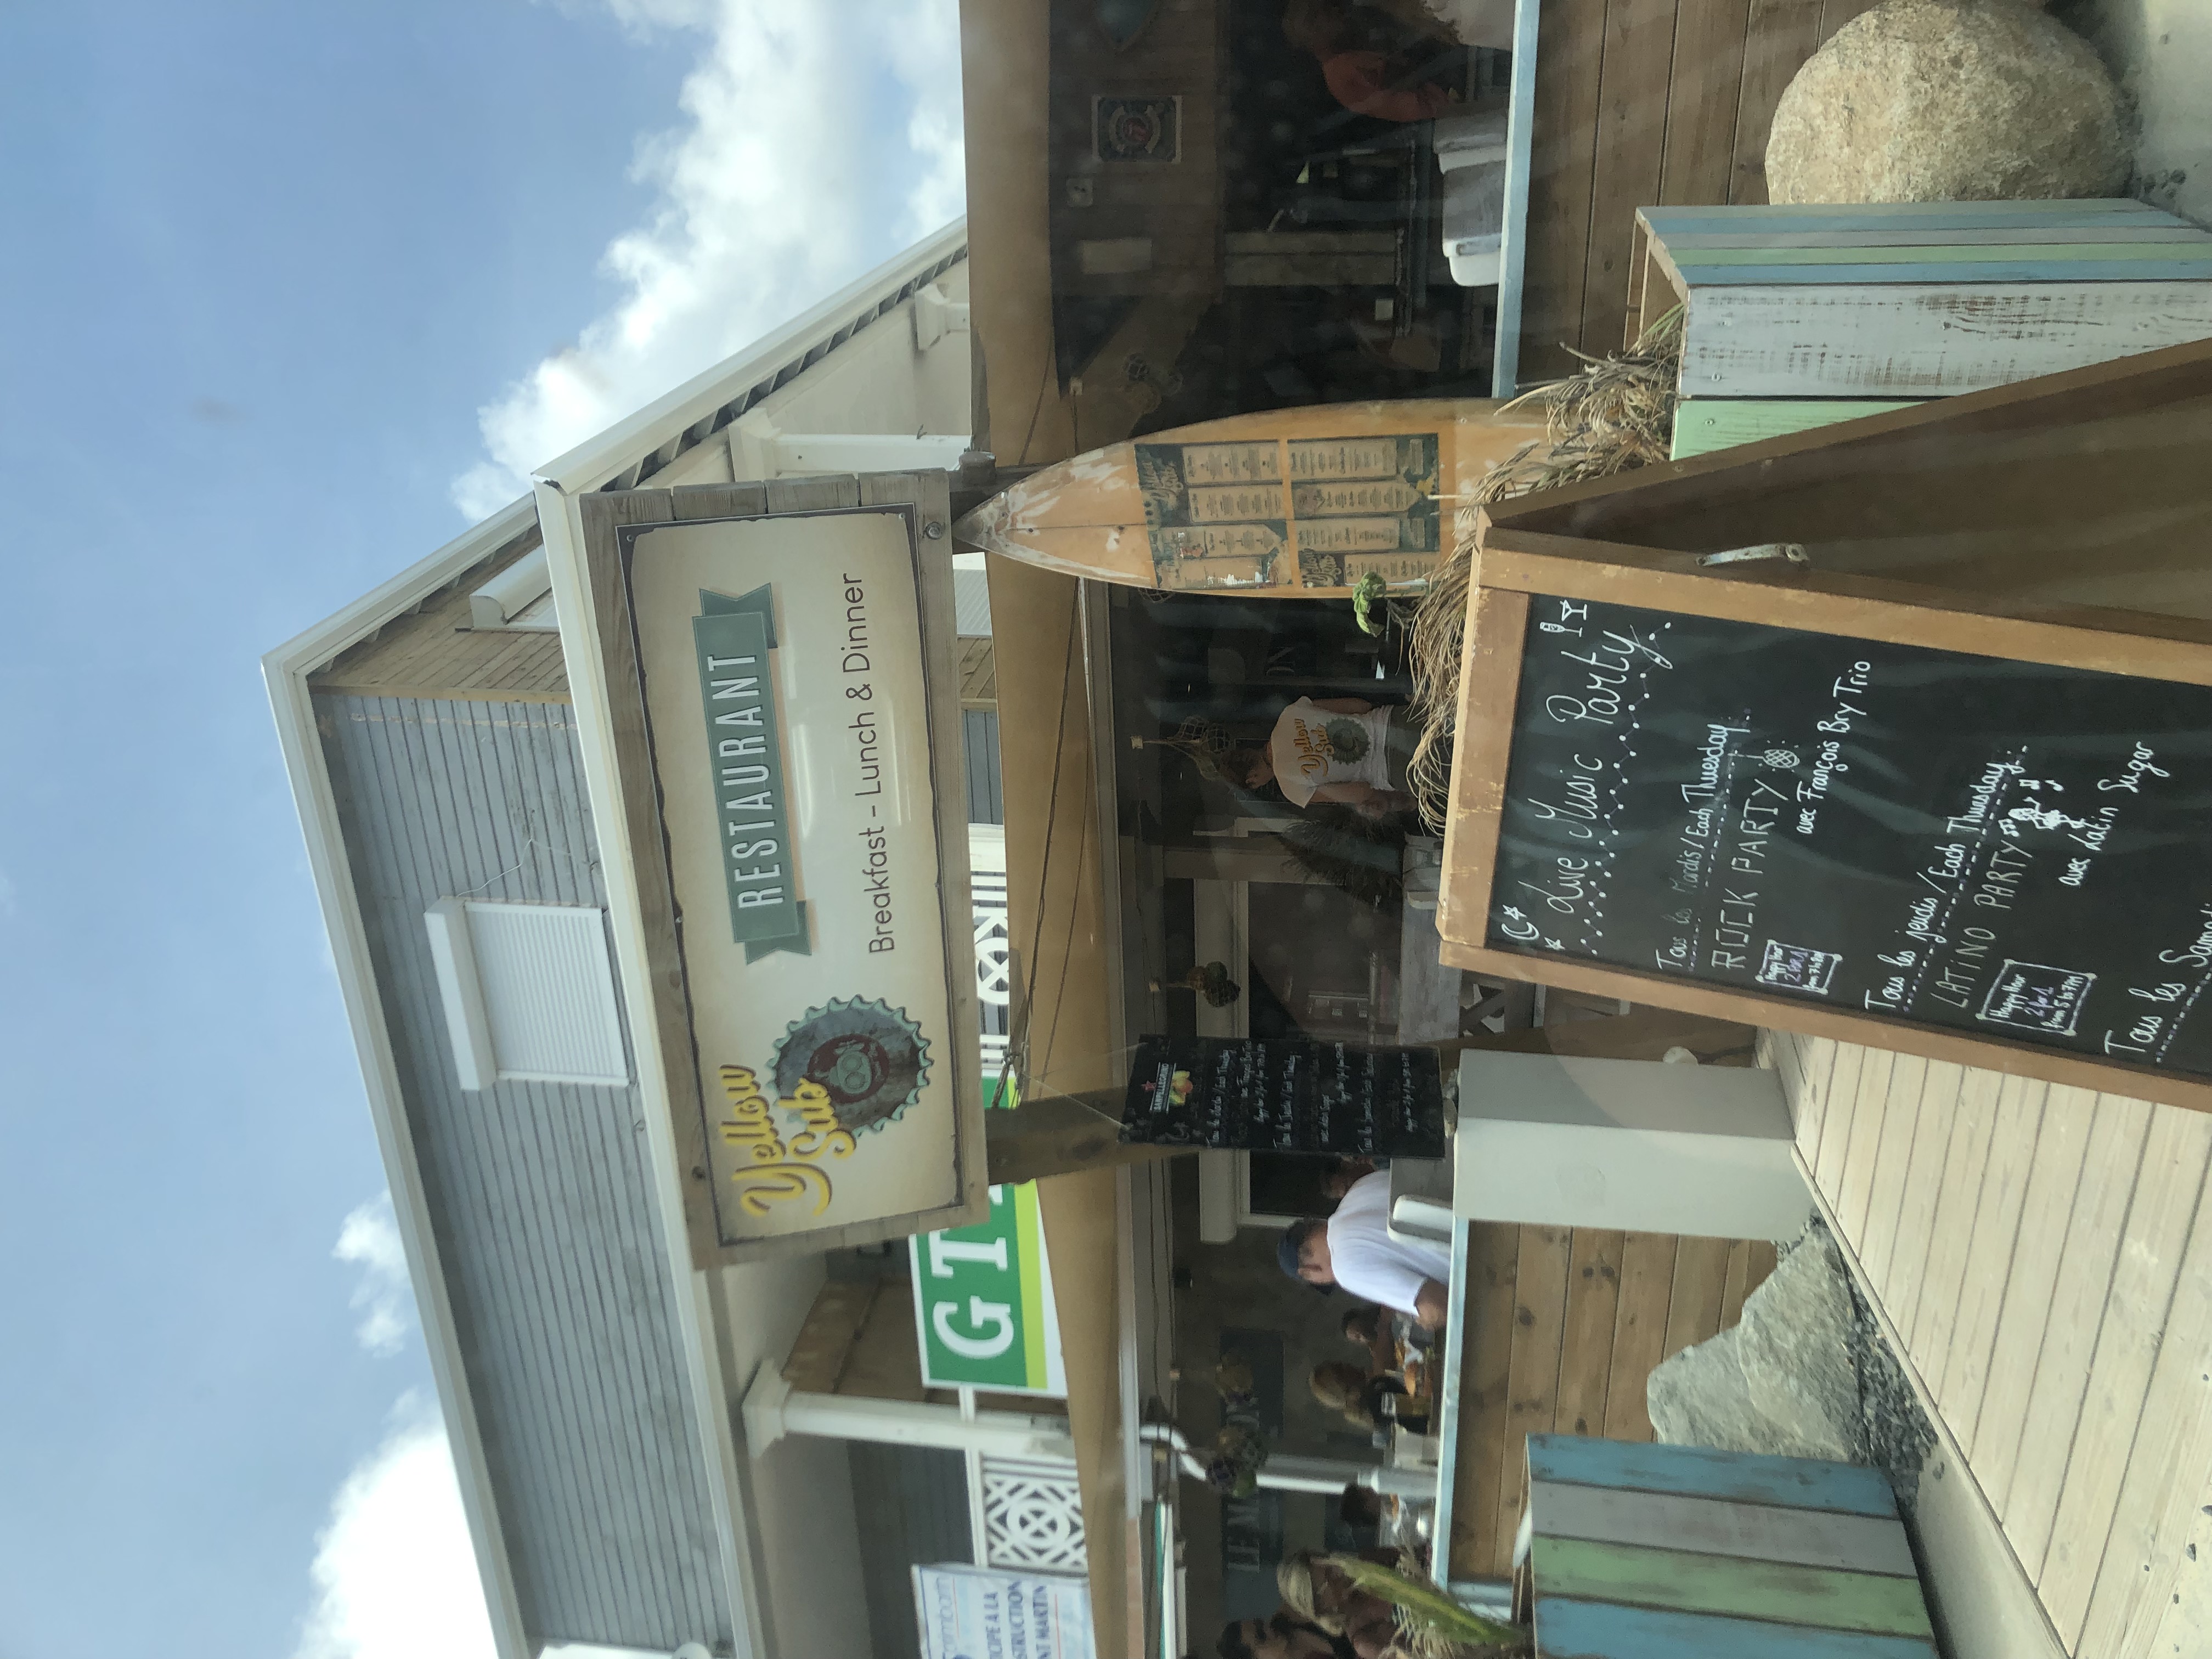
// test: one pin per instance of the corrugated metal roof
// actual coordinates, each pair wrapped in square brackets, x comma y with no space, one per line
[539,1192]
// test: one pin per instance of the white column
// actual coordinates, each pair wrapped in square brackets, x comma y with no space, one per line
[774,1408]
[1287,1472]
[1565,1141]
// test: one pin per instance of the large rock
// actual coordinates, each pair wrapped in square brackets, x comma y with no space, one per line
[1948,100]
[1795,1346]
[1699,1398]
[1783,1381]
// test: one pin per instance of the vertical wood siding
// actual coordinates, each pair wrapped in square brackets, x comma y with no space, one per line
[538,1192]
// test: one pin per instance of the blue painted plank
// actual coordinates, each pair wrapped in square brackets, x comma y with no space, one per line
[1791,1482]
[1448,1400]
[2035,270]
[1707,221]
[1693,244]
[1598,1630]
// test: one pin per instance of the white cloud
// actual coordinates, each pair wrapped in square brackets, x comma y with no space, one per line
[821,138]
[369,1239]
[394,1573]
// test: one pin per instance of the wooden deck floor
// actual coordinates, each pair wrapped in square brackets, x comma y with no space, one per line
[1562,1327]
[1643,103]
[2044,1257]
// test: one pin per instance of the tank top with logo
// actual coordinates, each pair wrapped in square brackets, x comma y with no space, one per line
[1311,747]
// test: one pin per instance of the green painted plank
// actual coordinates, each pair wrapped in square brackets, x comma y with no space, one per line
[1972,254]
[1794,1483]
[1596,1630]
[1783,1594]
[1704,424]
[1718,1526]
[1680,243]
[2025,270]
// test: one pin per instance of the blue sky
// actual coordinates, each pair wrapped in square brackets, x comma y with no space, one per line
[291,284]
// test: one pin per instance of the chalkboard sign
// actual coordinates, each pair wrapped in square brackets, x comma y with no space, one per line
[1286,1096]
[1870,831]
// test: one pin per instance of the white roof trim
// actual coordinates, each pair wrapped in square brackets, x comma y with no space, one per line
[621,446]
[286,670]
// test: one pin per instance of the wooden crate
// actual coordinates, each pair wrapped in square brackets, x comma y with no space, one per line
[1640,1551]
[1799,316]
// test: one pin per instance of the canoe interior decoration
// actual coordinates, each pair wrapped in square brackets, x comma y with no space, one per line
[1297,503]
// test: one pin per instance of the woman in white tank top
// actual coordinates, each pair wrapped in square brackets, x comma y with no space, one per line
[1334,748]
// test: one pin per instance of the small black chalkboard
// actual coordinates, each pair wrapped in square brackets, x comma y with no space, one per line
[1286,1096]
[2010,849]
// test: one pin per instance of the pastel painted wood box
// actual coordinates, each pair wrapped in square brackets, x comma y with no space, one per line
[1798,317]
[1646,1551]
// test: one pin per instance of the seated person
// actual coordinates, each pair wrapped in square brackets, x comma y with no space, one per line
[1340,1387]
[1358,1397]
[1354,1249]
[1360,1508]
[1315,1590]
[1333,748]
[1369,1328]
[1365,60]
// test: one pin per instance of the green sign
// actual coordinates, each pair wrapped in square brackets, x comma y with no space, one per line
[744,748]
[982,1298]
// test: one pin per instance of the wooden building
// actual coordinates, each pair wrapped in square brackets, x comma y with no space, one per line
[1115,296]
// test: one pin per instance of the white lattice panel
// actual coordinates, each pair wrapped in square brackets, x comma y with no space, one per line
[987,898]
[1033,1516]
[987,857]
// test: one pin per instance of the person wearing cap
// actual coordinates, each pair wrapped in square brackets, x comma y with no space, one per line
[1354,1249]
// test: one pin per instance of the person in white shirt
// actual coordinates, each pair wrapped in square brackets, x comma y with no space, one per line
[1353,1249]
[1334,749]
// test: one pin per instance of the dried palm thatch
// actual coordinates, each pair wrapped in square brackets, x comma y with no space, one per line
[1611,415]
[1345,848]
[1431,1625]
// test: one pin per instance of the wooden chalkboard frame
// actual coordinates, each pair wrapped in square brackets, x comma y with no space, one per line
[1513,566]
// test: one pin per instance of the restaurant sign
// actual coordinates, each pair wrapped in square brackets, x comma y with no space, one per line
[983,1304]
[791,683]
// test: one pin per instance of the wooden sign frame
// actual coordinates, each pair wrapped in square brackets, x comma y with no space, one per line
[1514,565]
[923,501]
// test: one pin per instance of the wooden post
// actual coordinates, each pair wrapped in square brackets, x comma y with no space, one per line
[1061,1134]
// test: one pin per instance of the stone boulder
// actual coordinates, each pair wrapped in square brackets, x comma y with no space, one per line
[1948,100]
[1784,1380]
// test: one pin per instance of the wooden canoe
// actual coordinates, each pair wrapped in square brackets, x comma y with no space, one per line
[1295,503]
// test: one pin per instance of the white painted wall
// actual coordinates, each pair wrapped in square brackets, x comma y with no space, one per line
[912,400]
[801,1501]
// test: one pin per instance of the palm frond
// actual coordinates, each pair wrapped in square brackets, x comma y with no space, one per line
[1432,1623]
